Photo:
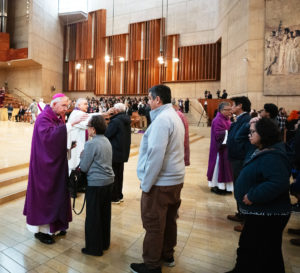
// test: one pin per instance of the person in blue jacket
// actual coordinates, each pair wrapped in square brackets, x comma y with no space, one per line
[262,194]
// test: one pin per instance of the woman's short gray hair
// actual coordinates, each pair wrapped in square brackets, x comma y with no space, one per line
[120,107]
[222,105]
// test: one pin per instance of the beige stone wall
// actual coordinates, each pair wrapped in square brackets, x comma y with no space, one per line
[46,44]
[256,62]
[233,29]
[241,27]
[194,20]
[240,24]
[193,89]
[28,80]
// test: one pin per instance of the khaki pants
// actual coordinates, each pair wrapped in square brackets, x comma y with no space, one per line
[159,209]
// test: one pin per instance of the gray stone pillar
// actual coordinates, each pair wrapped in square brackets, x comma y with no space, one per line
[3,15]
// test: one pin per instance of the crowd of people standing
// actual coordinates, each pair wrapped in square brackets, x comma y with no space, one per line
[247,157]
[254,153]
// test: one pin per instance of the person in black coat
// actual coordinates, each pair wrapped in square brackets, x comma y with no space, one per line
[224,95]
[295,187]
[119,134]
[262,194]
[238,142]
[187,105]
[20,115]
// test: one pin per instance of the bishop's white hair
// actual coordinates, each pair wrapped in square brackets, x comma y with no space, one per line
[56,100]
[120,107]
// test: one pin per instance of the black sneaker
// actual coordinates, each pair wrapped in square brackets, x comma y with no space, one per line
[44,238]
[142,268]
[169,262]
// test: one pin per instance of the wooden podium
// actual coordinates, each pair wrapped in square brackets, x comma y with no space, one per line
[210,105]
[7,53]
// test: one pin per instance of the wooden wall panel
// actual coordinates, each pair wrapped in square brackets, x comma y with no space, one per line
[4,41]
[144,49]
[170,52]
[72,42]
[7,53]
[100,33]
[211,105]
[116,49]
[199,62]
[86,43]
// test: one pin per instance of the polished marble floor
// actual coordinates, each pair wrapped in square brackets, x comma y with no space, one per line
[206,240]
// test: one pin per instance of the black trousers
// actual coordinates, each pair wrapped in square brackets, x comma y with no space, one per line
[236,166]
[260,243]
[118,168]
[98,219]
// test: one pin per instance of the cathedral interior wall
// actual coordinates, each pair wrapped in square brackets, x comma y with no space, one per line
[239,23]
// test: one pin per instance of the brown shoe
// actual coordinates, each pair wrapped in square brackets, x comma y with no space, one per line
[239,228]
[236,217]
[295,242]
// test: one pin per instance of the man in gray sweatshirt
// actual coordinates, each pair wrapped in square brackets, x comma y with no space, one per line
[161,172]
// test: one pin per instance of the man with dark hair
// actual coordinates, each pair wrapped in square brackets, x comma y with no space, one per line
[224,95]
[270,111]
[161,172]
[238,142]
[219,174]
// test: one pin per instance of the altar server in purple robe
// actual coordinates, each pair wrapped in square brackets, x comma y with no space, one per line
[219,172]
[47,205]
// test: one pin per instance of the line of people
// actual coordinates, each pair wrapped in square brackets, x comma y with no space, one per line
[161,168]
[249,156]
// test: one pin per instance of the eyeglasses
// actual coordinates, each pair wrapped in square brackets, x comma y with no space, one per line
[252,132]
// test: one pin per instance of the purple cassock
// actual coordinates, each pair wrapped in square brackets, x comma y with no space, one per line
[219,125]
[47,198]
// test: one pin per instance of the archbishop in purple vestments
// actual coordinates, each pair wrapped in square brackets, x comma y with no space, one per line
[219,172]
[47,199]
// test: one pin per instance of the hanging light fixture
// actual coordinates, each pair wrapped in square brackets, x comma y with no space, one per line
[161,47]
[112,34]
[121,59]
[160,59]
[107,59]
[78,66]
[90,66]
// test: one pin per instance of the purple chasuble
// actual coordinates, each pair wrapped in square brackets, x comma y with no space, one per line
[219,125]
[47,198]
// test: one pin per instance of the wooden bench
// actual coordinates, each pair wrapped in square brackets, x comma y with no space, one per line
[135,121]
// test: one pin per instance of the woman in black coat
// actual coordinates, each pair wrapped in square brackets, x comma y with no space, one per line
[262,194]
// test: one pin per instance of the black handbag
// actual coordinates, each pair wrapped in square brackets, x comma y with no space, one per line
[77,183]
